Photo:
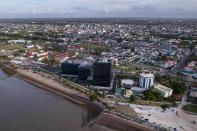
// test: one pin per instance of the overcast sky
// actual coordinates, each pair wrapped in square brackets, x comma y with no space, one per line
[98,8]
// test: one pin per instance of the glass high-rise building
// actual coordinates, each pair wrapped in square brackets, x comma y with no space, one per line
[70,68]
[102,73]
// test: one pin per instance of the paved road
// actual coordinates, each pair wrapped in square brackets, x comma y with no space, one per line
[114,80]
[63,79]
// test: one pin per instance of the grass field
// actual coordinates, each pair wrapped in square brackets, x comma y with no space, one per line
[93,47]
[4,37]
[126,68]
[190,108]
[11,47]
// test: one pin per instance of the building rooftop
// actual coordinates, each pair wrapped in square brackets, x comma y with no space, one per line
[103,60]
[80,62]
[127,81]
[128,92]
[118,91]
[138,89]
[163,88]
[146,75]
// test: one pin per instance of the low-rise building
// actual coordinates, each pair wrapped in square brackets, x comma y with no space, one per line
[118,91]
[128,93]
[193,94]
[29,46]
[163,90]
[194,88]
[127,83]
[138,90]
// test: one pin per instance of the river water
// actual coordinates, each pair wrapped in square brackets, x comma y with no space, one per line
[24,107]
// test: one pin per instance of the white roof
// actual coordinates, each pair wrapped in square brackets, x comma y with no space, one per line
[127,81]
[162,88]
[139,89]
[146,75]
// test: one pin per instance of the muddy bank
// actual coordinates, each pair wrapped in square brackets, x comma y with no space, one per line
[7,69]
[71,97]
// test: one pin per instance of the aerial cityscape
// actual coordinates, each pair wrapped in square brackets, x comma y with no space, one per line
[98,70]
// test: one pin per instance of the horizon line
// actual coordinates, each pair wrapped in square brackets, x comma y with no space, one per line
[99,18]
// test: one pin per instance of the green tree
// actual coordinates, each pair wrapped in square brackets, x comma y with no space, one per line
[178,87]
[149,95]
[132,98]
[97,52]
[165,106]
[50,62]
[119,84]
[158,77]
[97,92]
[158,96]
[93,97]
[174,104]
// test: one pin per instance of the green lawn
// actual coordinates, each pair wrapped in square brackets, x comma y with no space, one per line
[190,108]
[94,47]
[126,68]
[11,47]
[4,38]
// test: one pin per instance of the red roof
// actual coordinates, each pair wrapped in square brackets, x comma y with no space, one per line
[177,97]
[29,55]
[194,87]
[44,56]
[78,47]
[165,61]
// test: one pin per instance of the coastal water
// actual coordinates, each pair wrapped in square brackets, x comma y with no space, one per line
[24,107]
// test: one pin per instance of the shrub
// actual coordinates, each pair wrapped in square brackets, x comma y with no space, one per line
[164,106]
[132,98]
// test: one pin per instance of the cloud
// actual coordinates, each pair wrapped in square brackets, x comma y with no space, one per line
[99,8]
[80,9]
[179,9]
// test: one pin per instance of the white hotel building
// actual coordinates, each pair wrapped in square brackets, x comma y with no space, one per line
[146,80]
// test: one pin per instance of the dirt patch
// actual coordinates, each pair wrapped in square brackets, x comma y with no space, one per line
[126,110]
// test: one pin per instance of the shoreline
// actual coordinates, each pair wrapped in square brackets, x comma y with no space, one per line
[100,117]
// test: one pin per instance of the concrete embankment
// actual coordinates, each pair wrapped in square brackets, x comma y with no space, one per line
[118,123]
